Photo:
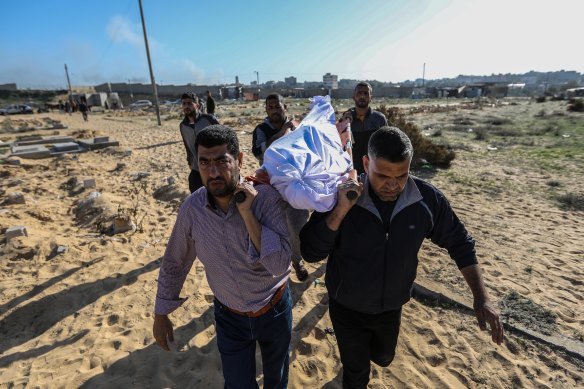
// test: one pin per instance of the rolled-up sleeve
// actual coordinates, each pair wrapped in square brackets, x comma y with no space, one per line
[275,252]
[177,262]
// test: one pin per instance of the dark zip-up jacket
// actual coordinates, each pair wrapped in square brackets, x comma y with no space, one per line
[371,269]
[189,132]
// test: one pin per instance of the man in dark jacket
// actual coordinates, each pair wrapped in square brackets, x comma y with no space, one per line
[372,245]
[193,123]
[210,104]
[364,122]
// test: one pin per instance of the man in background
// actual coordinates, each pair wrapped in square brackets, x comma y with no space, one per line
[364,122]
[193,122]
[210,104]
[276,125]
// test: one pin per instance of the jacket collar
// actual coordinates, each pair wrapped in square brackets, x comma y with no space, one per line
[410,195]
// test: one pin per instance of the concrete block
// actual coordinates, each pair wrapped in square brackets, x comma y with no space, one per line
[45,140]
[98,143]
[89,183]
[15,232]
[31,152]
[66,146]
[13,161]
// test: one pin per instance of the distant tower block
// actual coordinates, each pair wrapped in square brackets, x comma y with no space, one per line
[236,80]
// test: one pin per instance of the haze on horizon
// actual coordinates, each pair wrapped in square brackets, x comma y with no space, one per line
[212,42]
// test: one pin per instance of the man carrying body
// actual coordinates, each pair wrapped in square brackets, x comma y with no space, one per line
[193,122]
[245,249]
[364,122]
[276,125]
[372,245]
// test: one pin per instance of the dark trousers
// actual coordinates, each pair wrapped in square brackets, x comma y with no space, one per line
[363,338]
[195,180]
[236,339]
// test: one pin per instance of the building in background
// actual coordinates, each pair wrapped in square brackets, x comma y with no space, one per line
[330,81]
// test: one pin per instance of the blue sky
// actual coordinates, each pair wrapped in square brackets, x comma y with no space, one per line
[208,42]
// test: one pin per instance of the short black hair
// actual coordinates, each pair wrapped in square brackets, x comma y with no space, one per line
[218,135]
[274,96]
[363,83]
[190,95]
[391,144]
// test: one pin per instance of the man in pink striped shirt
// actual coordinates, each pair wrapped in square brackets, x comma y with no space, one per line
[245,248]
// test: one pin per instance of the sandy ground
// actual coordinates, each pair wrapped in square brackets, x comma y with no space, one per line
[84,318]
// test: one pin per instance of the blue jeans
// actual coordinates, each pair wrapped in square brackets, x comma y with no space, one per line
[236,339]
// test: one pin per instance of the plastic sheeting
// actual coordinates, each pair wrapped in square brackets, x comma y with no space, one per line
[306,165]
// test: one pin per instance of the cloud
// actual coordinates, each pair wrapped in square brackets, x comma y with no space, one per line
[121,30]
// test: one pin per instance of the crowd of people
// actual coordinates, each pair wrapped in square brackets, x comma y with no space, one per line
[249,240]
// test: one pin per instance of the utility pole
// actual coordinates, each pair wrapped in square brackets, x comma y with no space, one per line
[68,83]
[424,75]
[150,64]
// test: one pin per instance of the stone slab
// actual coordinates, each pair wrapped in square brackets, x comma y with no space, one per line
[98,143]
[65,146]
[46,140]
[31,152]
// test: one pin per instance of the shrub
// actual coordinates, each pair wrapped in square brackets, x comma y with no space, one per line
[437,155]
[576,105]
[540,99]
[572,201]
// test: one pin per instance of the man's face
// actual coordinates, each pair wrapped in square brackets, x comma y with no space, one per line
[219,170]
[276,110]
[189,106]
[387,179]
[362,97]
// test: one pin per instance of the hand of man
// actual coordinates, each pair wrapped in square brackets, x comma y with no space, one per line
[162,330]
[487,313]
[345,200]
[250,194]
[347,115]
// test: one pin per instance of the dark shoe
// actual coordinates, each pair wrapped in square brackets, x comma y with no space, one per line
[301,272]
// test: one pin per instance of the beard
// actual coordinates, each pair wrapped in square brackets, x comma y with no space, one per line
[276,117]
[224,190]
[361,103]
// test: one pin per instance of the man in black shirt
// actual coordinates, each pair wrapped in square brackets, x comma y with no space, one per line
[193,123]
[364,122]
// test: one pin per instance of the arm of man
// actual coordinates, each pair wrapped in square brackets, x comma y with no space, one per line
[484,309]
[258,145]
[317,237]
[449,233]
[177,262]
[286,128]
[267,228]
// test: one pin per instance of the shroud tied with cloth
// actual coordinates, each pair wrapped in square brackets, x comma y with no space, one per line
[306,165]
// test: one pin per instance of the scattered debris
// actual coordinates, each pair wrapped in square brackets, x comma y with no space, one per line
[89,183]
[15,232]
[15,198]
